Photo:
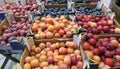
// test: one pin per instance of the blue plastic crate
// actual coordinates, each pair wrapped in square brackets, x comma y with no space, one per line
[17,45]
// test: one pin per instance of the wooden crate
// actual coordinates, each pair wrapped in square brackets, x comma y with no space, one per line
[94,64]
[31,42]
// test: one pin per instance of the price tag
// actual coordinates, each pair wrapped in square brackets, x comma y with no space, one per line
[111,14]
[76,39]
[99,5]
[30,43]
[10,17]
[30,16]
[70,5]
[72,17]
[38,2]
[2,2]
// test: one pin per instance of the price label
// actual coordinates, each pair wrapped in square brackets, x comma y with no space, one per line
[111,14]
[76,40]
[10,17]
[70,5]
[2,2]
[30,43]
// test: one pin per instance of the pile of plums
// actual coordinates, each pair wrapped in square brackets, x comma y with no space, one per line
[104,49]
[19,10]
[56,12]
[16,31]
[87,11]
[58,55]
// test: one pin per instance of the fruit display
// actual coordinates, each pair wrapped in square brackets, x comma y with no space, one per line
[19,10]
[57,55]
[15,31]
[87,11]
[56,12]
[49,27]
[57,2]
[97,25]
[103,50]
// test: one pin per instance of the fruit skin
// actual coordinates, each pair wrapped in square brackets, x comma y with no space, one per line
[92,41]
[27,66]
[96,58]
[63,66]
[63,51]
[115,43]
[109,62]
[86,46]
[34,63]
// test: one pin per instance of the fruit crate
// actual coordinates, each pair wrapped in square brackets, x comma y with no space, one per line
[100,65]
[33,34]
[91,7]
[15,46]
[30,42]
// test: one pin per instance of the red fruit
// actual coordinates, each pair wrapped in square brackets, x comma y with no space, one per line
[50,60]
[117,51]
[61,32]
[106,39]
[96,51]
[80,23]
[52,47]
[115,43]
[42,46]
[86,46]
[85,26]
[28,59]
[74,60]
[92,41]
[89,35]
[108,54]
[57,27]
[102,49]
[112,38]
[97,19]
[94,31]
[57,35]
[68,34]
[63,66]
[117,64]
[37,50]
[99,28]
[63,51]
[112,30]
[106,29]
[73,67]
[109,62]
[79,65]
[49,35]
[95,37]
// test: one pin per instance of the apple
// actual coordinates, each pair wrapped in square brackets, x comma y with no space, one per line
[109,62]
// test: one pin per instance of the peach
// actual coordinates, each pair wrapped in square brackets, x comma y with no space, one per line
[34,63]
[61,32]
[96,58]
[56,58]
[43,64]
[68,34]
[79,65]
[57,45]
[63,51]
[55,67]
[63,66]
[42,58]
[37,50]
[42,46]
[67,60]
[74,67]
[70,50]
[27,66]
[77,52]
[49,53]
[51,28]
